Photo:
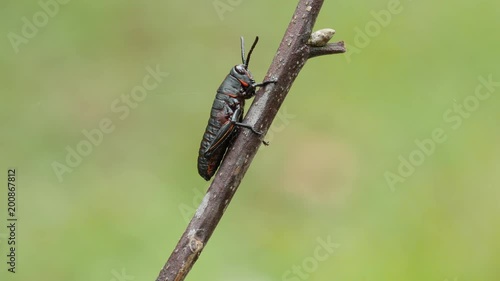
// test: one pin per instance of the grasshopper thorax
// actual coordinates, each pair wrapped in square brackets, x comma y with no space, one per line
[246,80]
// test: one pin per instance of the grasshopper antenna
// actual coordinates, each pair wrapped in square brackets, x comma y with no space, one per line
[247,61]
[243,51]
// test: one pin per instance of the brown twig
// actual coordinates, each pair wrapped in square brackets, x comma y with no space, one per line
[291,56]
[330,48]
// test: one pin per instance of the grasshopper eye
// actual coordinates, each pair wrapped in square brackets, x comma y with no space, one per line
[240,69]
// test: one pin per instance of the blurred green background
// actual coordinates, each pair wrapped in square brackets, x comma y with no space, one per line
[343,128]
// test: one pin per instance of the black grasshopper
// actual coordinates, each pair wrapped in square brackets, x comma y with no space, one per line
[227,114]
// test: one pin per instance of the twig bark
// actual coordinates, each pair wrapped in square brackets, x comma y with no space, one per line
[330,48]
[291,56]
